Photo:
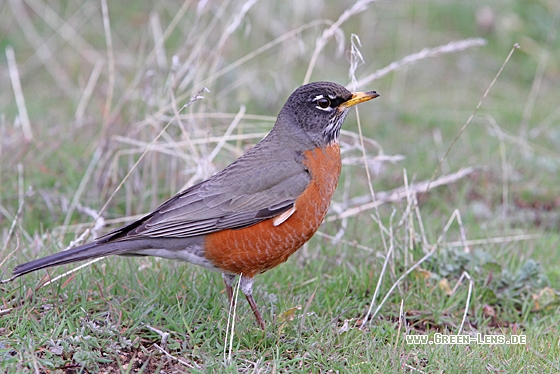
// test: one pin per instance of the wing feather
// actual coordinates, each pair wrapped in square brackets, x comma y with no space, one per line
[248,191]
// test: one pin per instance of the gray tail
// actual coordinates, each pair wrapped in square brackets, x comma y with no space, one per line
[81,253]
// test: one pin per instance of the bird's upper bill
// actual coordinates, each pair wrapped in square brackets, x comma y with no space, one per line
[359,97]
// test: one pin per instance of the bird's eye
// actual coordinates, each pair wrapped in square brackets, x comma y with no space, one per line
[324,103]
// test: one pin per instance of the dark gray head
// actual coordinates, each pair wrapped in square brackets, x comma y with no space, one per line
[314,112]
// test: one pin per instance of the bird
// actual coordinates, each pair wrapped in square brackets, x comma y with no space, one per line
[251,216]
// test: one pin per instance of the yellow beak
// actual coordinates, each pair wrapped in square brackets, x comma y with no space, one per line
[359,97]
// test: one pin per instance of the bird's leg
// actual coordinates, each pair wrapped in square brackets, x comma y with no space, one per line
[228,280]
[247,288]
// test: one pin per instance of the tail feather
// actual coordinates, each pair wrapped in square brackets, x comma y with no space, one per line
[81,253]
[173,248]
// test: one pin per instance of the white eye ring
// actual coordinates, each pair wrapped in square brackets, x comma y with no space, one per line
[324,104]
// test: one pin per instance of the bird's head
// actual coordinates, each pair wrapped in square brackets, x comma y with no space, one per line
[314,112]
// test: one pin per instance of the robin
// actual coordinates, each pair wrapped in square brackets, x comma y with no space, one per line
[254,214]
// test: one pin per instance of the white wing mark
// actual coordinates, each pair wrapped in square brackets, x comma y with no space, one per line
[284,216]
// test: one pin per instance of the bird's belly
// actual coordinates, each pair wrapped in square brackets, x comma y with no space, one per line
[258,248]
[187,255]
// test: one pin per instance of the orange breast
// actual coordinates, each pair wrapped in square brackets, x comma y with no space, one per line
[260,247]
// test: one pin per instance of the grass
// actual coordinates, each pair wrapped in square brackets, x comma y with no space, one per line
[100,80]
